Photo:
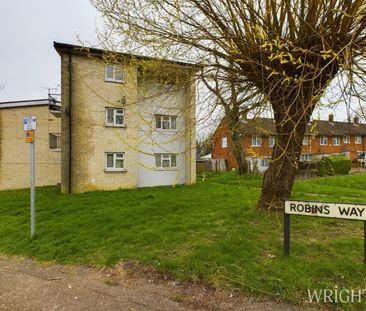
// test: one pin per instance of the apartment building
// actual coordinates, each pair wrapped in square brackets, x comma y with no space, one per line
[127,121]
[14,151]
[322,138]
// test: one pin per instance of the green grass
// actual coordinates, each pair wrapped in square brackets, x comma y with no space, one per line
[211,231]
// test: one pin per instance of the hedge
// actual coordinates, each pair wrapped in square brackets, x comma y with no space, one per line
[334,165]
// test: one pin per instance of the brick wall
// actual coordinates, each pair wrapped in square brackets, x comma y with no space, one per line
[90,138]
[14,151]
[313,147]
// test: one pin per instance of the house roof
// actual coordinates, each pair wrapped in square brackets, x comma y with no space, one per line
[83,50]
[266,126]
[24,103]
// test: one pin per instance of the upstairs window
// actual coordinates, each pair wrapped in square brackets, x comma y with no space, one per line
[256,141]
[115,161]
[166,122]
[358,139]
[113,73]
[336,140]
[346,139]
[55,141]
[224,142]
[165,160]
[271,141]
[114,117]
[305,141]
[323,140]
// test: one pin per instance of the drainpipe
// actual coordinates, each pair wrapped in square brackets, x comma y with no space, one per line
[70,121]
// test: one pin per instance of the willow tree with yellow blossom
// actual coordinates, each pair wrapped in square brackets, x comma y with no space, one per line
[288,51]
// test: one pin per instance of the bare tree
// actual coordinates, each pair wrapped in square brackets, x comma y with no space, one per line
[288,50]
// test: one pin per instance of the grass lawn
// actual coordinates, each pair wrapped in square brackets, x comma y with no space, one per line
[211,231]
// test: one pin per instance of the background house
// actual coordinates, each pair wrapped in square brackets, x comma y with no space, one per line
[322,138]
[14,151]
[123,126]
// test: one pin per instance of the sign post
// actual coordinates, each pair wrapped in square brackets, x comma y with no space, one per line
[30,125]
[322,209]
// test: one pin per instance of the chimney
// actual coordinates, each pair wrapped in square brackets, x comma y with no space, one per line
[356,120]
[331,118]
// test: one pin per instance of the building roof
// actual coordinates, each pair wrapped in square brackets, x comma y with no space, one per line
[83,50]
[266,126]
[24,103]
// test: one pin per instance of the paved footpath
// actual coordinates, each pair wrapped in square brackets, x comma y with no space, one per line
[30,286]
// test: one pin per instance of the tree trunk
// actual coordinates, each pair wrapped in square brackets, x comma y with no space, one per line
[279,178]
[239,153]
[237,146]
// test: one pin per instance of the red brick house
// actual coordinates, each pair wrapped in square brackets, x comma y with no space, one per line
[322,138]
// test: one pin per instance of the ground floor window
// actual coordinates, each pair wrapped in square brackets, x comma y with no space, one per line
[55,140]
[264,163]
[115,161]
[305,157]
[164,160]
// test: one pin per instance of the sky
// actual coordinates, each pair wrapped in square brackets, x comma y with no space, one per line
[28,62]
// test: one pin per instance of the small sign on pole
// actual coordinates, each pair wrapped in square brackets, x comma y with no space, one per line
[29,136]
[322,209]
[30,125]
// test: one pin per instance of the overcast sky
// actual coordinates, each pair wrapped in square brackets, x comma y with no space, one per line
[28,62]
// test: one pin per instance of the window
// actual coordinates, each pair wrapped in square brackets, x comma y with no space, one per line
[115,161]
[264,163]
[166,122]
[305,141]
[256,141]
[336,140]
[323,140]
[114,117]
[271,141]
[346,139]
[55,140]
[224,142]
[165,160]
[358,139]
[305,157]
[113,73]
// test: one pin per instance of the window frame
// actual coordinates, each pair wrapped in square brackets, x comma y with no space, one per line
[170,159]
[113,79]
[264,161]
[257,139]
[224,142]
[58,141]
[358,142]
[115,114]
[338,139]
[273,140]
[170,122]
[326,140]
[348,140]
[115,158]
[305,140]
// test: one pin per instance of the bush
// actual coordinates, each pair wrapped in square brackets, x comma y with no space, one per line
[334,165]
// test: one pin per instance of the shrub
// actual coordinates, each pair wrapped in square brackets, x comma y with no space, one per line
[334,165]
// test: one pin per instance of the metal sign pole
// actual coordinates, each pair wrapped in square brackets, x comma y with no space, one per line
[286,233]
[32,190]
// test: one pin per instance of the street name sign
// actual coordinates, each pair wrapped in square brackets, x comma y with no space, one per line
[331,210]
[348,211]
